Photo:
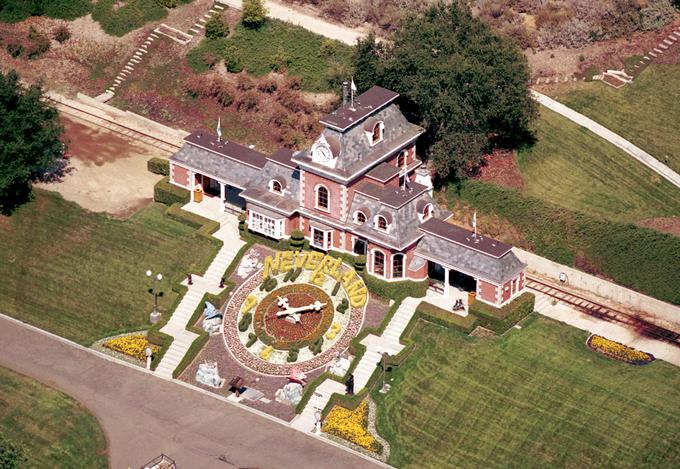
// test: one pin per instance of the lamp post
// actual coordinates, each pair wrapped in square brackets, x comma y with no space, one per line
[155,314]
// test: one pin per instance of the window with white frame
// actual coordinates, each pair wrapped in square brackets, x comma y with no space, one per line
[359,217]
[398,266]
[272,227]
[275,186]
[377,135]
[379,263]
[401,160]
[381,223]
[322,239]
[427,211]
[322,198]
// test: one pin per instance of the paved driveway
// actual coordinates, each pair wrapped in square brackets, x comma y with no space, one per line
[144,416]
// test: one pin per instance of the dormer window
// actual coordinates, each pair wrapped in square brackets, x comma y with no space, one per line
[427,212]
[359,217]
[381,223]
[322,198]
[275,187]
[377,133]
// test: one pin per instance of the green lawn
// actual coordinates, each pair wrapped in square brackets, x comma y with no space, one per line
[55,430]
[639,258]
[81,275]
[646,112]
[574,168]
[261,50]
[536,397]
[12,11]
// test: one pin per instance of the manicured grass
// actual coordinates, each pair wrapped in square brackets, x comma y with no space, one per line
[260,50]
[536,397]
[646,112]
[82,275]
[54,429]
[640,258]
[574,168]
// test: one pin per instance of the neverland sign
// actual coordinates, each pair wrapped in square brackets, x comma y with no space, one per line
[321,265]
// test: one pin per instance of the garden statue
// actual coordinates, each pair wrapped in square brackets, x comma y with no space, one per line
[339,367]
[291,393]
[207,374]
[212,318]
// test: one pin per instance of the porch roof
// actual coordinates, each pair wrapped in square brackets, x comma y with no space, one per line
[497,270]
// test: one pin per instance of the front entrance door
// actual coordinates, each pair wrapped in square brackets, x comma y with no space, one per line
[360,246]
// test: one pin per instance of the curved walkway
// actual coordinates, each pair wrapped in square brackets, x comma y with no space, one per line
[616,140]
[309,22]
[144,416]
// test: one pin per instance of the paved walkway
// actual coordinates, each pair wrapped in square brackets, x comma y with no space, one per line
[209,283]
[144,416]
[616,140]
[569,315]
[309,22]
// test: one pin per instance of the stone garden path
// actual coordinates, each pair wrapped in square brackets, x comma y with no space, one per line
[208,283]
[616,140]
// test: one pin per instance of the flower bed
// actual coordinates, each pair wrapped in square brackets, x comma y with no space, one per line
[281,333]
[619,351]
[351,425]
[132,345]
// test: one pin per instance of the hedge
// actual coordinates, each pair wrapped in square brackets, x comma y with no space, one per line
[500,320]
[158,166]
[204,226]
[445,318]
[168,194]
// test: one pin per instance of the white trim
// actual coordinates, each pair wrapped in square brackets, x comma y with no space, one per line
[403,265]
[354,217]
[327,238]
[381,125]
[371,263]
[316,198]
[270,185]
[337,178]
[212,176]
[262,226]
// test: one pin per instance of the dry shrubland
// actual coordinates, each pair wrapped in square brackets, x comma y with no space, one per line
[543,24]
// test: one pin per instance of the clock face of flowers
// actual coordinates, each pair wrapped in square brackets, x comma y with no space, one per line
[275,323]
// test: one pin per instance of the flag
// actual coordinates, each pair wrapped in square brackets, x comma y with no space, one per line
[474,221]
[353,87]
[219,130]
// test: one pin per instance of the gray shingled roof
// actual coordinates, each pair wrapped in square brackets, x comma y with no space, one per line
[257,190]
[356,153]
[226,169]
[468,261]
[404,229]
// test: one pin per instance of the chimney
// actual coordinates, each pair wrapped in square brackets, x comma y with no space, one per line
[423,177]
[345,93]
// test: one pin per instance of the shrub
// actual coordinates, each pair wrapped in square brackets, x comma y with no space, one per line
[292,355]
[158,166]
[168,194]
[618,351]
[232,59]
[296,274]
[280,61]
[38,43]
[254,13]
[360,263]
[270,284]
[336,289]
[252,338]
[297,239]
[315,348]
[288,275]
[14,49]
[328,48]
[500,320]
[61,34]
[248,101]
[216,27]
[245,321]
[268,85]
[12,454]
[343,306]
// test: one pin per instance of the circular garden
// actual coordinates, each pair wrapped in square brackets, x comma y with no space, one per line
[301,319]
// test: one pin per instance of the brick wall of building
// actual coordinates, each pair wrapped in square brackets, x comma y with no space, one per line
[486,291]
[179,175]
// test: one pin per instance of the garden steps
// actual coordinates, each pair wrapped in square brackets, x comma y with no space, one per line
[208,283]
[306,420]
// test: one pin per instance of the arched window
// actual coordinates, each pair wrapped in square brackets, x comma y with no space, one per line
[427,212]
[378,263]
[322,198]
[398,266]
[377,133]
[276,187]
[401,159]
[382,223]
[359,217]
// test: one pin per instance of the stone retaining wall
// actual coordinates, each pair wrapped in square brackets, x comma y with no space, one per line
[602,288]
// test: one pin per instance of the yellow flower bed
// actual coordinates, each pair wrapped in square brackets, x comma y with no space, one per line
[618,351]
[351,425]
[132,345]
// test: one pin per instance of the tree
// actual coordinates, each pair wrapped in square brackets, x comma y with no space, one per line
[29,139]
[465,85]
[254,13]
[216,28]
[12,455]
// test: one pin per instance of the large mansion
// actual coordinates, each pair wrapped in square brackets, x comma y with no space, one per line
[361,189]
